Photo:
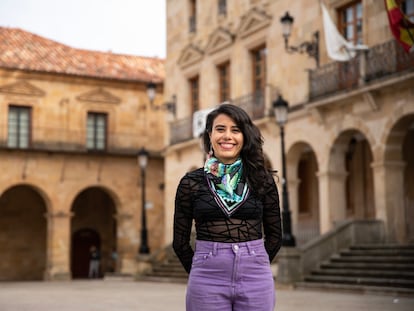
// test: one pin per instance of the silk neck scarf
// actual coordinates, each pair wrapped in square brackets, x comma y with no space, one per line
[225,182]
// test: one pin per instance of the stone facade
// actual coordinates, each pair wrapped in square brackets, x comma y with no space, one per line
[57,197]
[349,139]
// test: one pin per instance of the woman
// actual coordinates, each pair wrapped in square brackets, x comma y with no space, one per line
[235,205]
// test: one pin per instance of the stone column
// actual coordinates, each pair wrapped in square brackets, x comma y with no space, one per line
[389,198]
[289,266]
[58,246]
[293,185]
[332,204]
[127,243]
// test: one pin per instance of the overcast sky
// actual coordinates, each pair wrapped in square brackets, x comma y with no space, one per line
[135,27]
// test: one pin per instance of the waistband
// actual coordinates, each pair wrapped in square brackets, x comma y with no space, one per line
[213,247]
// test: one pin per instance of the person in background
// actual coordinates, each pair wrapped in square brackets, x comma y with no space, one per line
[94,261]
[234,203]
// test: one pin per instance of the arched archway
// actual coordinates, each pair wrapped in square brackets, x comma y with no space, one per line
[93,223]
[359,180]
[408,158]
[23,229]
[304,191]
[398,169]
[352,185]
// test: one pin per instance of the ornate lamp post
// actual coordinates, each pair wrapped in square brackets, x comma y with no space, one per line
[280,107]
[143,161]
[309,47]
[169,106]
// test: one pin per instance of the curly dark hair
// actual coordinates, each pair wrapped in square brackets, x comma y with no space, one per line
[252,150]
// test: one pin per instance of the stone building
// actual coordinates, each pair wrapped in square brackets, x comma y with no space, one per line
[350,129]
[71,124]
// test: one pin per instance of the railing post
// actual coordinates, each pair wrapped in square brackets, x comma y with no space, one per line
[362,67]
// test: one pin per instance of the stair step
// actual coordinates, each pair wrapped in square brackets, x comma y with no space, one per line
[169,273]
[170,266]
[382,247]
[365,268]
[379,252]
[366,273]
[373,259]
[361,281]
[167,268]
[385,290]
[368,266]
[161,279]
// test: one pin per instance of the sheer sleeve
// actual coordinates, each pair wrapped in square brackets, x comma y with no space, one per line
[183,219]
[272,226]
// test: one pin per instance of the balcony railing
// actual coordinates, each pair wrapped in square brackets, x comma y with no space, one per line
[63,140]
[379,62]
[254,104]
[181,130]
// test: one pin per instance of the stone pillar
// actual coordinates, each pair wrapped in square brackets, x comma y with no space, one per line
[289,266]
[389,198]
[58,246]
[127,243]
[293,185]
[332,204]
[144,264]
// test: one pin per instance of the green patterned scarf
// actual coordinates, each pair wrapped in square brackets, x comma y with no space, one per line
[225,183]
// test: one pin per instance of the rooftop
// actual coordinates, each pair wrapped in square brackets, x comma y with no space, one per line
[23,50]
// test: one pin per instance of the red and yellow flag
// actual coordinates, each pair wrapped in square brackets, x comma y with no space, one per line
[401,27]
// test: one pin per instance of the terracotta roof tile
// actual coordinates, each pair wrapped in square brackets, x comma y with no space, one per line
[23,50]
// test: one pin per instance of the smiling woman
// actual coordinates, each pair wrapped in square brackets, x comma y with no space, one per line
[234,202]
[226,139]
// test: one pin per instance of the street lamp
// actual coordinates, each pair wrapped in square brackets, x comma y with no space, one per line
[169,106]
[310,47]
[143,161]
[280,107]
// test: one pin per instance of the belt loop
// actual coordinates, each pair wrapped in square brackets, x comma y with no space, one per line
[215,248]
[249,247]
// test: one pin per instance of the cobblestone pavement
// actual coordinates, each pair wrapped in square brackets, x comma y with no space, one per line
[125,295]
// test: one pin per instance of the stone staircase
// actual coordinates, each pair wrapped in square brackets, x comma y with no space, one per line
[168,268]
[367,268]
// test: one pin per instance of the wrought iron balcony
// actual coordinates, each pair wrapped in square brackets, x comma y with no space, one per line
[254,104]
[379,62]
[181,130]
[72,141]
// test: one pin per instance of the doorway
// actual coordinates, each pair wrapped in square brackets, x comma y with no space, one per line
[82,241]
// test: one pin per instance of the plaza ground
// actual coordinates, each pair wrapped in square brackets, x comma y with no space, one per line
[127,295]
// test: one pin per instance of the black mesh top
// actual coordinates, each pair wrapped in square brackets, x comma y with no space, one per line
[195,201]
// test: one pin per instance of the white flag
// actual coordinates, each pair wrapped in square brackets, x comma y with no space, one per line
[337,47]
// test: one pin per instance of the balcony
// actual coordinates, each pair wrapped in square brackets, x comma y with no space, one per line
[254,104]
[46,139]
[380,62]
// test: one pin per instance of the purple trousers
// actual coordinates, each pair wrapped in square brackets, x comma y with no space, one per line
[230,277]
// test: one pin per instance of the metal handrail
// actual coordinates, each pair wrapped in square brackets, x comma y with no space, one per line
[65,140]
[253,104]
[380,61]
